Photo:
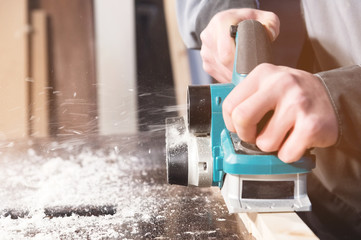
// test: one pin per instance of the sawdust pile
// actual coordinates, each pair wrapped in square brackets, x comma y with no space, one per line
[101,178]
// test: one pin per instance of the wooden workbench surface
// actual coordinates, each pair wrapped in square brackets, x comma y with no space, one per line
[103,187]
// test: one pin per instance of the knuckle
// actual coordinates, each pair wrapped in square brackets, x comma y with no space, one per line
[289,80]
[281,79]
[303,103]
[264,72]
[287,156]
[282,76]
[207,60]
[204,36]
[297,98]
[229,124]
[286,159]
[312,127]
[205,55]
[208,68]
[264,66]
[226,56]
[266,145]
[224,59]
[267,77]
[272,17]
[241,116]
[300,102]
[220,16]
[226,112]
[226,107]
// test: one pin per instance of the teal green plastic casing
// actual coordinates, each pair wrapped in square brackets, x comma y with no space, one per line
[225,159]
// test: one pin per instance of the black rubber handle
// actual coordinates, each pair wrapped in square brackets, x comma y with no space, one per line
[253,46]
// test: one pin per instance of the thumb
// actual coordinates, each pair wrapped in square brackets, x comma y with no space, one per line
[269,20]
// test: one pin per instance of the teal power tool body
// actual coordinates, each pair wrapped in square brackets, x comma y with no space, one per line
[202,152]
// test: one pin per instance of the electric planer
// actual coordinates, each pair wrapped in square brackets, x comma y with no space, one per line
[200,151]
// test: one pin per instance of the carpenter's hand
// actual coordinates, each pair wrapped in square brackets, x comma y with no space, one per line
[303,114]
[218,47]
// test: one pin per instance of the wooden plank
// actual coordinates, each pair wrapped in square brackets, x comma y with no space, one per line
[39,75]
[179,56]
[73,100]
[13,69]
[277,226]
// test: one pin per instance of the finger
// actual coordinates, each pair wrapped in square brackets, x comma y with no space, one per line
[213,67]
[271,22]
[226,49]
[218,72]
[207,38]
[273,134]
[224,71]
[294,146]
[243,90]
[248,114]
[268,19]
[223,56]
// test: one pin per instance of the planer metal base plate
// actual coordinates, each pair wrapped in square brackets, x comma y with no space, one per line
[266,193]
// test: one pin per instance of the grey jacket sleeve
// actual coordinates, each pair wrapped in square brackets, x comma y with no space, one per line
[338,167]
[194,15]
[344,88]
